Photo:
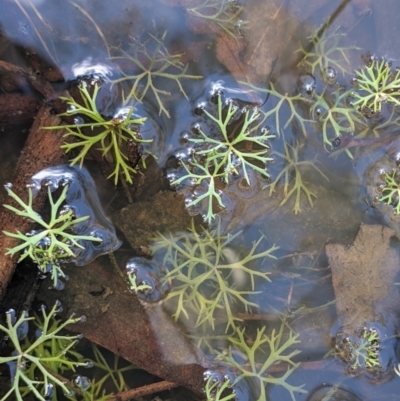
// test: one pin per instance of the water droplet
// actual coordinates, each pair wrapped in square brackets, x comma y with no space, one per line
[83,319]
[11,316]
[184,137]
[82,382]
[336,142]
[8,185]
[198,111]
[23,328]
[78,120]
[89,364]
[306,85]
[48,391]
[71,108]
[330,75]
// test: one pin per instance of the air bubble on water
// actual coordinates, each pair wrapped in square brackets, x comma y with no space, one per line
[330,75]
[184,137]
[32,185]
[12,366]
[306,85]
[48,391]
[78,120]
[24,28]
[82,382]
[11,316]
[23,328]
[318,112]
[217,88]
[196,128]
[97,70]
[71,108]
[199,109]
[44,243]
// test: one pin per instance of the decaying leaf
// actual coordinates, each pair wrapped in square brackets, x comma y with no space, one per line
[363,276]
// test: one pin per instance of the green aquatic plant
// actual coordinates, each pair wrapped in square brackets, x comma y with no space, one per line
[224,13]
[262,353]
[391,191]
[133,285]
[361,352]
[292,168]
[217,392]
[375,84]
[108,135]
[323,52]
[54,241]
[153,62]
[331,111]
[209,274]
[284,102]
[207,175]
[35,366]
[109,374]
[229,148]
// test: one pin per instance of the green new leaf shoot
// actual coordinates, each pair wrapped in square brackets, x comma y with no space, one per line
[35,368]
[230,150]
[54,241]
[107,135]
[222,154]
[203,267]
[293,168]
[152,64]
[376,83]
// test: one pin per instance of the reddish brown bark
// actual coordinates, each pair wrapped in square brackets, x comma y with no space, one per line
[41,150]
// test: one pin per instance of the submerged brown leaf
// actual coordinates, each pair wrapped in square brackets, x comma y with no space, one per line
[363,276]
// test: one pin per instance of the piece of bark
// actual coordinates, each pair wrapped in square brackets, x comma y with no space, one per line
[41,150]
[38,82]
[363,276]
[146,337]
[16,108]
[163,212]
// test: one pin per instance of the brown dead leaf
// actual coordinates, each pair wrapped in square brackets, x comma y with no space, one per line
[363,276]
[146,337]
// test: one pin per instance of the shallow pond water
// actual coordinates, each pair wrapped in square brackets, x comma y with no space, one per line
[237,243]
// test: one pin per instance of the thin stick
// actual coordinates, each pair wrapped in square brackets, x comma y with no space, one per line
[144,390]
[99,31]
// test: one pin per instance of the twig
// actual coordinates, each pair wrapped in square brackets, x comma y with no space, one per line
[144,390]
